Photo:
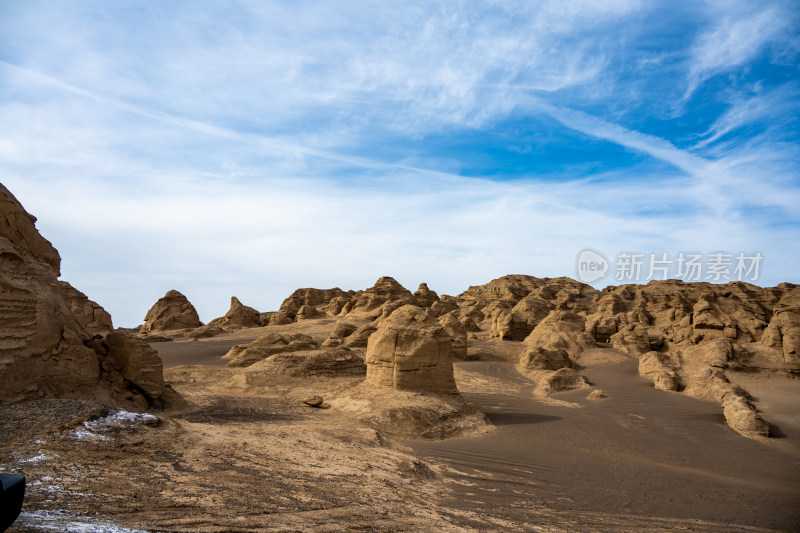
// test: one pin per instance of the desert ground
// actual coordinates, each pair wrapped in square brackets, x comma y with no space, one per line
[239,458]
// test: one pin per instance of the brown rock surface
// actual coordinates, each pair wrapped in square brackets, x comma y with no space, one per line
[327,362]
[137,362]
[271,343]
[360,337]
[783,330]
[313,298]
[743,418]
[17,226]
[171,312]
[44,350]
[655,366]
[410,351]
[497,299]
[519,321]
[238,316]
[370,302]
[458,333]
[443,305]
[424,296]
[340,332]
[561,380]
[90,315]
[551,343]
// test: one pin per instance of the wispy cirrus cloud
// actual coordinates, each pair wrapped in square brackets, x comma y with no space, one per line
[741,32]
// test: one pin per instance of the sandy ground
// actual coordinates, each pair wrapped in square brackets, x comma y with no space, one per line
[641,455]
[239,459]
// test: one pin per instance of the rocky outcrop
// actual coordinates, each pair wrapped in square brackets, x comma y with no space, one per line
[90,315]
[18,228]
[445,304]
[424,296]
[45,352]
[497,302]
[711,384]
[328,362]
[631,338]
[597,394]
[360,337]
[558,337]
[458,333]
[654,365]
[370,303]
[410,351]
[171,312]
[138,363]
[519,321]
[340,332]
[783,331]
[238,316]
[272,343]
[669,314]
[743,418]
[307,299]
[561,380]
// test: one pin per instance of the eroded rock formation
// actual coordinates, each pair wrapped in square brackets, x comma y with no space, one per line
[90,315]
[270,344]
[410,351]
[47,328]
[238,316]
[171,312]
[308,298]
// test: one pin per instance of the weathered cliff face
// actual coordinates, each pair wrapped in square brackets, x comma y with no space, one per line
[41,342]
[47,349]
[90,315]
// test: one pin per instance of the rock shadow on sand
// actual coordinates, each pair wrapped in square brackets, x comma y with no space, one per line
[507,419]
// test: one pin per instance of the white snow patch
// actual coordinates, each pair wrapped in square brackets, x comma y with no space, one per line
[58,521]
[118,419]
[36,458]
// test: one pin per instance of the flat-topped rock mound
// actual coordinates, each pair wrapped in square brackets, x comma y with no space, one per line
[272,343]
[410,350]
[411,414]
[338,362]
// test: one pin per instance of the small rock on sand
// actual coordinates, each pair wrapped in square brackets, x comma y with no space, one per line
[313,401]
[597,394]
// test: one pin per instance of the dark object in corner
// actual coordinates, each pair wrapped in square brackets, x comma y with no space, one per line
[12,492]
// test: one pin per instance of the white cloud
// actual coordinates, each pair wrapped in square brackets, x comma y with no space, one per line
[236,149]
[739,37]
[774,106]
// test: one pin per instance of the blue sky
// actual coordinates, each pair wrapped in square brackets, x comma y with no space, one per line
[252,148]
